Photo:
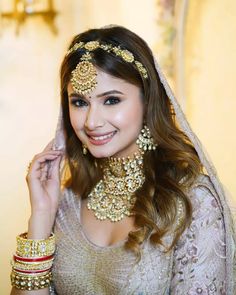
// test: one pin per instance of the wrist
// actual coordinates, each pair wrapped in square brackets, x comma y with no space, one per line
[40,226]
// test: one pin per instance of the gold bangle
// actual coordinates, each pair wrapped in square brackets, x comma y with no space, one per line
[32,265]
[30,275]
[35,247]
[29,283]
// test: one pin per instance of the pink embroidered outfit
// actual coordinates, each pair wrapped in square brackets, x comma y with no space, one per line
[197,265]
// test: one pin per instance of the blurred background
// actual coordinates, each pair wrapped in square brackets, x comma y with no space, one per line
[194,41]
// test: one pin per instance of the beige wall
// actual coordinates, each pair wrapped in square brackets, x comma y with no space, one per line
[29,90]
[210,72]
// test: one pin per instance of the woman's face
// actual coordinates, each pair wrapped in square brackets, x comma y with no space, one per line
[109,119]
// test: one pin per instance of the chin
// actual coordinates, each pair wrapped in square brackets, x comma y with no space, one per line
[105,153]
[101,154]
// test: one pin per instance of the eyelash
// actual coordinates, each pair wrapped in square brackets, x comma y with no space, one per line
[79,102]
[113,100]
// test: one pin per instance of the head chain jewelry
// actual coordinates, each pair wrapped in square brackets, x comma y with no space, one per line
[83,78]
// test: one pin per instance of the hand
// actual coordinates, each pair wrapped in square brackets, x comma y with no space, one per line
[43,181]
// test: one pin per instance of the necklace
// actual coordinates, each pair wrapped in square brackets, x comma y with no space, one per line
[113,196]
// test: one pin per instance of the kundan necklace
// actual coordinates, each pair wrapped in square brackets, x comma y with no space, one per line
[113,196]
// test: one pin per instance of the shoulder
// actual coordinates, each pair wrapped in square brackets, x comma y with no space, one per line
[207,222]
[207,227]
[202,184]
[204,199]
[200,253]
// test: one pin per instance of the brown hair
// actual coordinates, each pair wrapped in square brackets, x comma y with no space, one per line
[169,170]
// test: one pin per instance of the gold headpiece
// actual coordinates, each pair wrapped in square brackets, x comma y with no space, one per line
[84,76]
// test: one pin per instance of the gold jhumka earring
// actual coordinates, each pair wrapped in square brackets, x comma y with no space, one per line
[145,141]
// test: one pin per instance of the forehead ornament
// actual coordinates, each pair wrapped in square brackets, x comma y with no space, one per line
[83,77]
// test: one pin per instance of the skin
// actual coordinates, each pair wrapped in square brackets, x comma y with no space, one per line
[120,114]
[119,111]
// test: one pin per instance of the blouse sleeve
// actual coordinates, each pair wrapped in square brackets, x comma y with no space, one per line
[199,265]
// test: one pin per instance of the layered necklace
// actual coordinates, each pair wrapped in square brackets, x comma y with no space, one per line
[113,196]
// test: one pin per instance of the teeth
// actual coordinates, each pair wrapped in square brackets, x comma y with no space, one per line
[103,136]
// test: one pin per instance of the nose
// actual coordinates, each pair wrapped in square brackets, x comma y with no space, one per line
[94,118]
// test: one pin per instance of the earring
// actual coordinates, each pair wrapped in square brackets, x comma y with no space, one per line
[84,149]
[145,141]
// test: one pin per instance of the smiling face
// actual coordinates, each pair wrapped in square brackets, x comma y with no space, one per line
[109,119]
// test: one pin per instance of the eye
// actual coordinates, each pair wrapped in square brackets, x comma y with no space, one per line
[78,102]
[112,100]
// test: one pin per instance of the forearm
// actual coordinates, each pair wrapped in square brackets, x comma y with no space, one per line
[40,225]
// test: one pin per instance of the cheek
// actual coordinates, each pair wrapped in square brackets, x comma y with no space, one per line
[76,119]
[129,116]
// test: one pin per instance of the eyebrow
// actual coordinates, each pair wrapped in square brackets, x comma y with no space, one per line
[101,94]
[110,92]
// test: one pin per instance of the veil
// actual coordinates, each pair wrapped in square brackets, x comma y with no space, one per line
[222,196]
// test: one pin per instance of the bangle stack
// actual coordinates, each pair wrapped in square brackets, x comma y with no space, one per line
[32,263]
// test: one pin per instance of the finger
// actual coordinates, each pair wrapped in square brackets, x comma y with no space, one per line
[54,172]
[49,146]
[45,153]
[36,170]
[44,170]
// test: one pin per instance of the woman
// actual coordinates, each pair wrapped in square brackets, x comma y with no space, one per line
[137,215]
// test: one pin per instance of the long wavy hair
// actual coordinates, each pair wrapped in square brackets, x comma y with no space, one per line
[170,170]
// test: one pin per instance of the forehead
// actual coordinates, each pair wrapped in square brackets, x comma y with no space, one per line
[106,82]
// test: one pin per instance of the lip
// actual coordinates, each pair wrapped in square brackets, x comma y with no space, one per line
[100,141]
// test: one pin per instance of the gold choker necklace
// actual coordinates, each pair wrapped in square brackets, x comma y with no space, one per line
[113,197]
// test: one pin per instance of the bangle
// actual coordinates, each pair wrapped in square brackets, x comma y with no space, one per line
[30,260]
[32,263]
[35,248]
[24,282]
[31,272]
[31,266]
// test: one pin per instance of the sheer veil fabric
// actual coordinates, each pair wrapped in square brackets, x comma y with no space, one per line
[59,143]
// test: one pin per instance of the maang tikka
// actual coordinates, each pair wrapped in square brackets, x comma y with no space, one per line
[83,78]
